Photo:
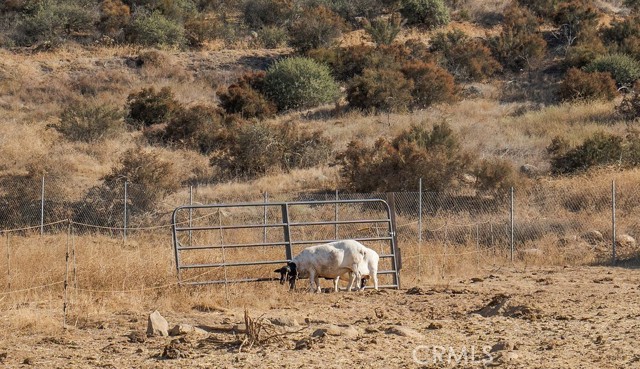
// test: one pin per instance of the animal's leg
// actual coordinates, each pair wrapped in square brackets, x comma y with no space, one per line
[312,279]
[335,284]
[317,280]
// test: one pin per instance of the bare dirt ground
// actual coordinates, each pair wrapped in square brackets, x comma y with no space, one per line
[560,317]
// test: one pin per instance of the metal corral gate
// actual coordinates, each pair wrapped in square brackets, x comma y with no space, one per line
[232,243]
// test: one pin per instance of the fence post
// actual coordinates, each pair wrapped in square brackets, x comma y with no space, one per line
[42,208]
[511,220]
[613,222]
[420,229]
[190,214]
[124,227]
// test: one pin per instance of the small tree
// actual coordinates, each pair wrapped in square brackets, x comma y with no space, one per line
[520,44]
[299,82]
[429,13]
[383,31]
[431,84]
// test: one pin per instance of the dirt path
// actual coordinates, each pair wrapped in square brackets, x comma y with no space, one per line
[577,317]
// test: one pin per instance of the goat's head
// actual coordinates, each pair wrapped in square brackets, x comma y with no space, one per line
[288,273]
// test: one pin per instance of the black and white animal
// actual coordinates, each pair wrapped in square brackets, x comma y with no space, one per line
[330,261]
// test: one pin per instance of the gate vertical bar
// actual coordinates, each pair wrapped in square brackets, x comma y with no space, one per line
[613,222]
[335,226]
[511,221]
[42,208]
[124,222]
[287,231]
[266,200]
[397,258]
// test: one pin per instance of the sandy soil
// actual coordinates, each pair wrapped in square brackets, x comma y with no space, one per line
[572,317]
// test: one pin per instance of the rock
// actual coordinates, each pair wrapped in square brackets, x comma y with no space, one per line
[502,346]
[3,357]
[348,331]
[476,280]
[593,237]
[285,322]
[182,329]
[176,349]
[529,170]
[137,337]
[434,325]
[157,325]
[625,240]
[404,331]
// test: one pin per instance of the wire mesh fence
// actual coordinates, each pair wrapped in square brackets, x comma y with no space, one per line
[598,217]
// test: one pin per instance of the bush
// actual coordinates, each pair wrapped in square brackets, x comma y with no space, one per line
[599,149]
[114,16]
[466,58]
[429,13]
[152,178]
[624,69]
[435,156]
[273,37]
[520,44]
[315,27]
[89,121]
[261,13]
[244,97]
[299,82]
[257,149]
[149,107]
[580,85]
[495,175]
[384,31]
[542,8]
[380,90]
[576,19]
[200,128]
[200,29]
[629,108]
[431,84]
[155,30]
[52,21]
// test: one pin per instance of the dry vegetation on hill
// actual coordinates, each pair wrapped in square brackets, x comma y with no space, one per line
[483,88]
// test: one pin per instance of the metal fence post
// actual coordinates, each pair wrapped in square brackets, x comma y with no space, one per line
[42,208]
[124,226]
[511,220]
[613,222]
[266,200]
[335,226]
[190,215]
[420,210]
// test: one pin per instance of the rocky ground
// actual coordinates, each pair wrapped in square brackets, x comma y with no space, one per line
[572,317]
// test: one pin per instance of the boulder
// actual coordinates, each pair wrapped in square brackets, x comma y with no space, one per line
[157,325]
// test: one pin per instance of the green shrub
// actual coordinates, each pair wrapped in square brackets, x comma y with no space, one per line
[623,68]
[89,121]
[354,10]
[315,27]
[629,108]
[580,85]
[148,107]
[200,29]
[429,13]
[520,43]
[431,84]
[273,37]
[380,90]
[576,19]
[599,149]
[155,30]
[244,98]
[53,21]
[299,82]
[542,8]
[434,156]
[383,31]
